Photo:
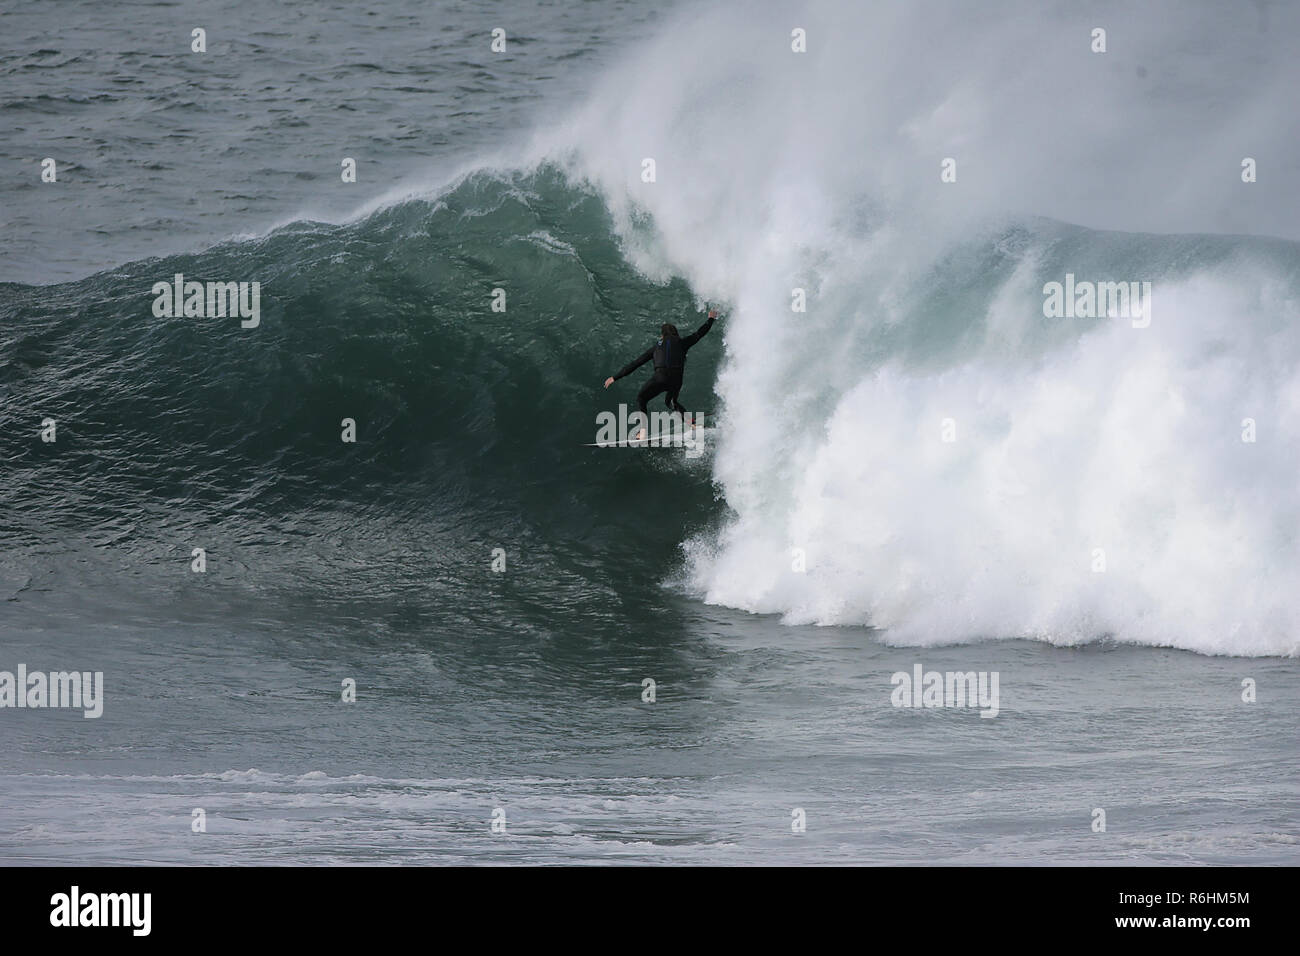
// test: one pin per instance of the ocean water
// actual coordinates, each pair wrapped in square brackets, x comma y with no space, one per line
[920,468]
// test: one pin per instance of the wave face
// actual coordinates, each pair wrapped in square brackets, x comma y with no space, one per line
[187,432]
[1097,483]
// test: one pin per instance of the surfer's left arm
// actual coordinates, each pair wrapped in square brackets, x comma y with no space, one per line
[631,366]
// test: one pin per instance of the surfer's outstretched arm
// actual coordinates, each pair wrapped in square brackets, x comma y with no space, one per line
[702,331]
[631,366]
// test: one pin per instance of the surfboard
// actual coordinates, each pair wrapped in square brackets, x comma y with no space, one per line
[703,435]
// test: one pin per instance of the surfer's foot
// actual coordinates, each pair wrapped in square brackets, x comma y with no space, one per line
[640,435]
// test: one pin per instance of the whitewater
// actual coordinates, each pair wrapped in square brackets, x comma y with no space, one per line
[1077,441]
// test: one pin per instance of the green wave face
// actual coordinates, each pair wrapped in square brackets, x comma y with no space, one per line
[469,421]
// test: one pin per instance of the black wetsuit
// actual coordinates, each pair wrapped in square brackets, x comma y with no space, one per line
[669,355]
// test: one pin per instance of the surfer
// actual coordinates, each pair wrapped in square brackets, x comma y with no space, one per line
[669,355]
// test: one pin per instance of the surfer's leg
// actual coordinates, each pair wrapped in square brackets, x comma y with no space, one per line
[648,391]
[671,398]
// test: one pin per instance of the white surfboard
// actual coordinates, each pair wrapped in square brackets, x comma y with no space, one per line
[701,436]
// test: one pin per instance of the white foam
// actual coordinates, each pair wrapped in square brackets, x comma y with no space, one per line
[777,170]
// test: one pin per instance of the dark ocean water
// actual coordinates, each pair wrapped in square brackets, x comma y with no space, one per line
[520,689]
[162,149]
